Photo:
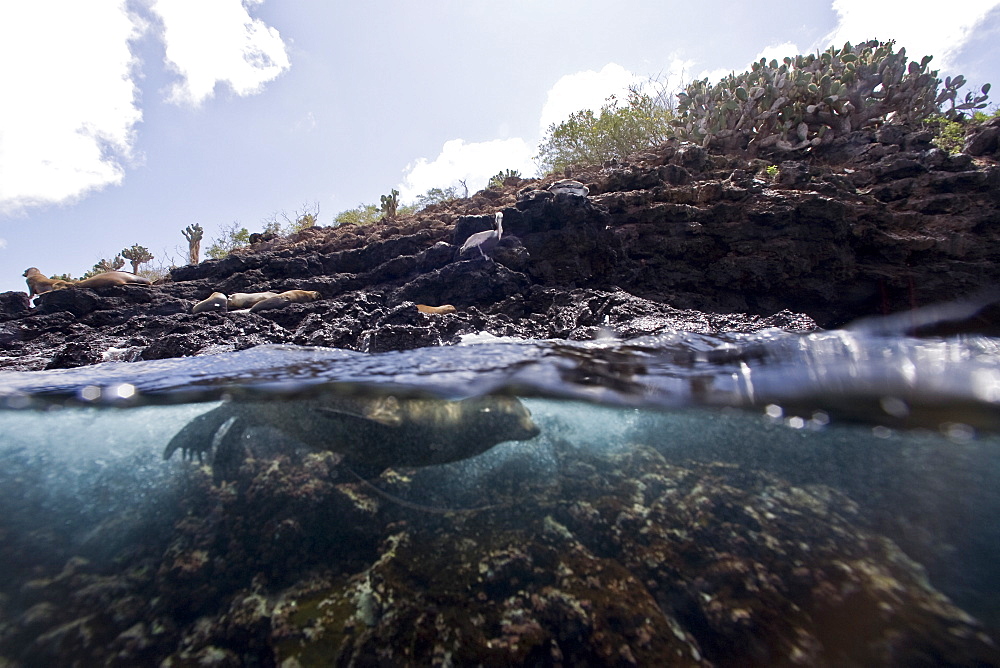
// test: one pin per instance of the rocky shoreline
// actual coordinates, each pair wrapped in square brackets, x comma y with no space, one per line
[677,238]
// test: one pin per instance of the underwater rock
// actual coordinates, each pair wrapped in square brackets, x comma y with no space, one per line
[601,559]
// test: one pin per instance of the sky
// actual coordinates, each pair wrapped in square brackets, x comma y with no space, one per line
[124,121]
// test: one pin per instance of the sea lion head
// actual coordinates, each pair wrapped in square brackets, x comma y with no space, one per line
[506,418]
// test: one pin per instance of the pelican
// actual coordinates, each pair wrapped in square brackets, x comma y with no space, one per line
[485,241]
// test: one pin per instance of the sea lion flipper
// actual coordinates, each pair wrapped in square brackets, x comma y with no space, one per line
[199,435]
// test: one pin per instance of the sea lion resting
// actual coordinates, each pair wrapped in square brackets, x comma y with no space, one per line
[240,300]
[109,278]
[436,310]
[283,299]
[372,434]
[215,302]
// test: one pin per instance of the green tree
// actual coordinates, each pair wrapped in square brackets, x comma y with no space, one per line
[615,132]
[232,237]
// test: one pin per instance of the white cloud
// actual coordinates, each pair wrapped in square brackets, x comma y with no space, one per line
[585,90]
[3,243]
[778,51]
[772,52]
[475,162]
[940,34]
[217,41]
[67,123]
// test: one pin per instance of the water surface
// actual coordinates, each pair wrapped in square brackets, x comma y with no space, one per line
[895,437]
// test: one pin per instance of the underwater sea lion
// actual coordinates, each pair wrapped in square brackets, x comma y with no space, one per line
[283,299]
[436,310]
[216,302]
[240,300]
[39,283]
[110,278]
[372,434]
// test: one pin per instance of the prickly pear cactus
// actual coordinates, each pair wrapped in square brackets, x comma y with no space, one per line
[810,100]
[389,203]
[193,234]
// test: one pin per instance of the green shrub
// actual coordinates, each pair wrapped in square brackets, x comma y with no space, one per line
[232,237]
[614,133]
[496,181]
[436,196]
[362,214]
[949,135]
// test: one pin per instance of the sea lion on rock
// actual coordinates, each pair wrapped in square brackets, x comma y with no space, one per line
[283,299]
[39,283]
[300,295]
[240,300]
[109,278]
[436,310]
[216,302]
[372,434]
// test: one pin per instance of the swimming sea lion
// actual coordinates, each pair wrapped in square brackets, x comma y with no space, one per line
[436,310]
[216,302]
[285,298]
[372,434]
[110,278]
[39,283]
[240,300]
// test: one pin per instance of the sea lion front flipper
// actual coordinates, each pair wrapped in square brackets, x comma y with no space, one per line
[198,436]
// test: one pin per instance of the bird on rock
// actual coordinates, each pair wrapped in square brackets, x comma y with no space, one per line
[486,241]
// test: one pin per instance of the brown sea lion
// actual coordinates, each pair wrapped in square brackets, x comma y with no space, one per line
[271,303]
[216,302]
[371,433]
[298,296]
[240,300]
[110,278]
[436,310]
[284,299]
[39,283]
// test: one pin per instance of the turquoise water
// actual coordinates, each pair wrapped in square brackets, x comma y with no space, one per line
[903,431]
